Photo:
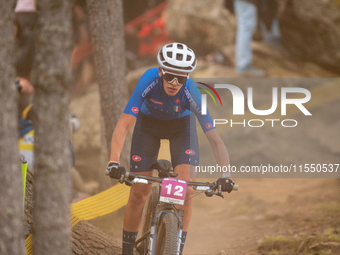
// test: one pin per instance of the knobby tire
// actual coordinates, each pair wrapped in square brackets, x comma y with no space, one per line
[167,235]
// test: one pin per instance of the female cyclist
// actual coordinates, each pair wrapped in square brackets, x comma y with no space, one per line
[161,105]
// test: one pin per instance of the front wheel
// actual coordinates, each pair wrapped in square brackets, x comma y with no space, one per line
[167,235]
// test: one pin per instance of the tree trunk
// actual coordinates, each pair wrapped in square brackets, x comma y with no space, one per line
[52,163]
[107,30]
[11,199]
[86,239]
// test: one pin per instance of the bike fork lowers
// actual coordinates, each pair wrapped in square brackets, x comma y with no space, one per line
[154,233]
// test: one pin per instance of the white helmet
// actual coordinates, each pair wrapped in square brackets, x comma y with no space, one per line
[177,57]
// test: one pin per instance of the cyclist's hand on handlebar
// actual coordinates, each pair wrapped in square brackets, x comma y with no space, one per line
[115,171]
[224,184]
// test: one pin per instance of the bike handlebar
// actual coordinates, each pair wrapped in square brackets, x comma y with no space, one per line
[131,179]
[211,185]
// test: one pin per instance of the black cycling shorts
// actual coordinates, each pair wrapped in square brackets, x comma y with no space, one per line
[147,134]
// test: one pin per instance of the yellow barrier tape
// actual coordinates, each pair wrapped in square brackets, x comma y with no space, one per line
[101,204]
[28,244]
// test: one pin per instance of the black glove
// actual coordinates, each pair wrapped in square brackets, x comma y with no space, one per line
[225,184]
[115,170]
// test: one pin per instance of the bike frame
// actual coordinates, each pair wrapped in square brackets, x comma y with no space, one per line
[161,209]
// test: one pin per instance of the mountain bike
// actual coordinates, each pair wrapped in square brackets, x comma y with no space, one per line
[162,224]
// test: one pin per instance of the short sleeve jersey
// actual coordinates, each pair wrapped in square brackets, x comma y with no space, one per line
[150,98]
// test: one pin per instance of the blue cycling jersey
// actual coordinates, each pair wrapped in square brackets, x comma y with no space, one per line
[150,98]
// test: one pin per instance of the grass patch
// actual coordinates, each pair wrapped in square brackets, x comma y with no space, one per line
[279,245]
[276,239]
[331,207]
[332,234]
[322,244]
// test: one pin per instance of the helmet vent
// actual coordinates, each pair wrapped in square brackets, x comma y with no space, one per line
[180,46]
[169,46]
[161,56]
[179,56]
[194,64]
[188,58]
[169,54]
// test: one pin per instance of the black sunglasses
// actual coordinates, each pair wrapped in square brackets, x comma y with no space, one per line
[170,77]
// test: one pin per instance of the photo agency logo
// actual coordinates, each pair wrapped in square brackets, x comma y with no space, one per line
[204,97]
[295,96]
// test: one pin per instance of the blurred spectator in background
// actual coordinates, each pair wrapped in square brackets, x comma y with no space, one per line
[269,23]
[145,31]
[26,138]
[25,20]
[246,15]
[151,36]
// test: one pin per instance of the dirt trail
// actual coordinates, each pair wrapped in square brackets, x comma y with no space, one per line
[261,208]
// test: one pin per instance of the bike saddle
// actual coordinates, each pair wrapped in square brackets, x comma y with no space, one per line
[164,168]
